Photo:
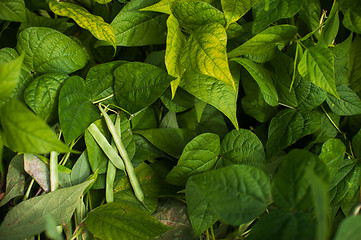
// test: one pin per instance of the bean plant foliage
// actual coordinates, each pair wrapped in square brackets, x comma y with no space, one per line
[171,119]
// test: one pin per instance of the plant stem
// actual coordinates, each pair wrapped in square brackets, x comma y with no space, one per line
[26,196]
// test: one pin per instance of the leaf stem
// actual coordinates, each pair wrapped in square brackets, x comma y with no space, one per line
[27,194]
[103,99]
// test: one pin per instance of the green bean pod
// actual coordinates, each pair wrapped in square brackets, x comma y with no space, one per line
[106,147]
[123,153]
[109,182]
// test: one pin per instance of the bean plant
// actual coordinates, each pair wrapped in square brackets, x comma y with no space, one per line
[180,119]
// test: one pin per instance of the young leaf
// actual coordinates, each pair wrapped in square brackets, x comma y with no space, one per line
[332,154]
[120,221]
[29,217]
[13,10]
[277,9]
[41,56]
[163,6]
[243,147]
[263,78]
[76,111]
[348,104]
[170,140]
[25,132]
[95,24]
[237,194]
[329,32]
[192,14]
[150,184]
[288,126]
[234,9]
[205,52]
[283,224]
[42,95]
[349,228]
[317,64]
[199,155]
[9,75]
[15,179]
[212,91]
[137,85]
[265,41]
[138,28]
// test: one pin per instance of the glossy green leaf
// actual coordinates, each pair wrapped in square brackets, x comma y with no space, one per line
[277,9]
[81,169]
[103,1]
[100,80]
[234,9]
[137,85]
[95,24]
[138,28]
[265,41]
[13,10]
[23,131]
[317,64]
[169,140]
[288,126]
[38,170]
[199,155]
[308,94]
[117,220]
[348,104]
[352,18]
[212,91]
[175,44]
[163,6]
[76,111]
[19,222]
[15,179]
[282,224]
[9,75]
[341,53]
[332,154]
[349,228]
[193,14]
[205,52]
[263,78]
[41,56]
[42,95]
[238,194]
[291,186]
[243,147]
[150,184]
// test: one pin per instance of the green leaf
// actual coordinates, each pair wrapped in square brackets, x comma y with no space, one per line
[291,186]
[330,30]
[352,18]
[288,126]
[38,170]
[42,95]
[9,75]
[356,144]
[138,28]
[265,41]
[100,80]
[19,222]
[76,111]
[212,91]
[25,132]
[310,13]
[95,24]
[137,85]
[341,53]
[15,179]
[354,71]
[205,52]
[193,14]
[277,9]
[282,224]
[103,1]
[348,104]
[81,169]
[175,44]
[349,228]
[263,78]
[150,184]
[243,147]
[332,154]
[317,64]
[163,6]
[120,221]
[234,9]
[199,155]
[41,56]
[13,10]
[169,140]
[237,194]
